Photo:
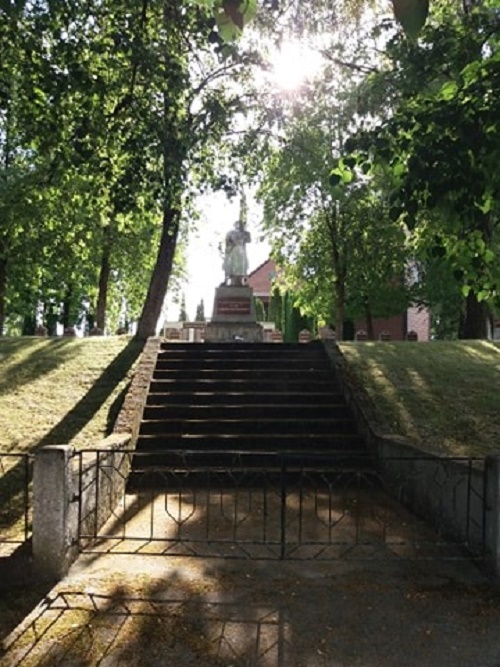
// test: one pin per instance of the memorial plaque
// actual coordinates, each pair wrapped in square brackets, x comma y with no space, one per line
[233,306]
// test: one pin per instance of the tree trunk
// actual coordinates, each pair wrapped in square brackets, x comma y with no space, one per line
[3,290]
[339,309]
[67,308]
[161,275]
[105,271]
[175,140]
[475,325]
[368,318]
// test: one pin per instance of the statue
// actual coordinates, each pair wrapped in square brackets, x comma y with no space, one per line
[235,257]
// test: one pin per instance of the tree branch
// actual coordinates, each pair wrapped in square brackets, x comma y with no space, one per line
[352,66]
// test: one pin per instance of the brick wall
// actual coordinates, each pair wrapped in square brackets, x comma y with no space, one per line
[416,319]
[260,279]
[419,320]
[395,325]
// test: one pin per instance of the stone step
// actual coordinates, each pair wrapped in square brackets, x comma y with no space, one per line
[250,363]
[170,461]
[227,408]
[263,384]
[242,398]
[288,476]
[247,442]
[245,411]
[251,374]
[221,350]
[218,426]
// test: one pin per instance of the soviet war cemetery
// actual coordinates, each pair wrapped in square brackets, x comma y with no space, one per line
[249,333]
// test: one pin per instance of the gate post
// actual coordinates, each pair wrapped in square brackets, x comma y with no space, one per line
[492,513]
[55,512]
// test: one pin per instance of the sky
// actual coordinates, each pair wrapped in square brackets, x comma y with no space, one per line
[205,252]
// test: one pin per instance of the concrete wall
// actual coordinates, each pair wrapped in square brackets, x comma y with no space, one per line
[129,417]
[461,499]
[68,486]
[449,493]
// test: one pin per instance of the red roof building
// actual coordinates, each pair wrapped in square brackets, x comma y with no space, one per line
[397,327]
[261,280]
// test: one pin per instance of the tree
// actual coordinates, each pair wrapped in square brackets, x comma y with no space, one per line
[195,114]
[112,114]
[69,127]
[440,141]
[200,312]
[260,311]
[183,316]
[331,227]
[287,316]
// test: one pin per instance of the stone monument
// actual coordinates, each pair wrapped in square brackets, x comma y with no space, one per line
[233,317]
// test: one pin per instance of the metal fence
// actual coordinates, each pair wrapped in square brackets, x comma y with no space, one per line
[15,500]
[265,506]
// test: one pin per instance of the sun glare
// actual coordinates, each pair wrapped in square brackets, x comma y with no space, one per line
[293,64]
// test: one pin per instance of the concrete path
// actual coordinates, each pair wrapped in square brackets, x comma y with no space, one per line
[117,610]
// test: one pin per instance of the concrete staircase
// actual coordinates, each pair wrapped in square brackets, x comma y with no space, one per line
[262,404]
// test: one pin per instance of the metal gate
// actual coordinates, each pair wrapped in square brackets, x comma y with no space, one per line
[281,508]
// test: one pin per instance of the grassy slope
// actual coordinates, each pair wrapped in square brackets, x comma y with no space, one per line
[444,396]
[62,390]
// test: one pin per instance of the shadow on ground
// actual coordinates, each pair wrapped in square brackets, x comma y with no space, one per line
[221,613]
[149,608]
[17,602]
[74,421]
[46,354]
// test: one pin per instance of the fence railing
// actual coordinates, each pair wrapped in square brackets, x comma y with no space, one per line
[16,505]
[266,506]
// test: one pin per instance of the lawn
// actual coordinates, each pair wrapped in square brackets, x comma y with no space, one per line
[443,396]
[61,390]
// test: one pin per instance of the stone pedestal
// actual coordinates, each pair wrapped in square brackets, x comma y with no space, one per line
[233,316]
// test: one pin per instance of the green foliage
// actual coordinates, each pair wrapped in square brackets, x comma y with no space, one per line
[200,312]
[275,308]
[294,320]
[411,14]
[71,147]
[97,136]
[260,311]
[329,219]
[232,15]
[287,315]
[110,124]
[440,144]
[183,316]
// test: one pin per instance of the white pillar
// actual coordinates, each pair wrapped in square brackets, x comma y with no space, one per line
[55,512]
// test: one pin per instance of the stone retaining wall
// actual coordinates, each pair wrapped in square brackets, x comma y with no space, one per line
[460,498]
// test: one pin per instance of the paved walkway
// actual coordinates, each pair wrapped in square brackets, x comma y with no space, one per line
[140,611]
